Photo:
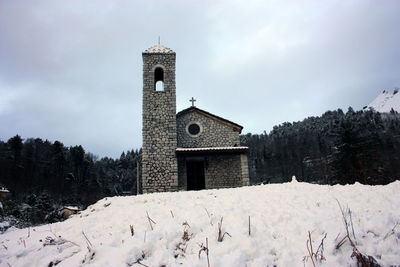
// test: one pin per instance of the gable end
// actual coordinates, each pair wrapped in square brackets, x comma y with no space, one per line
[236,127]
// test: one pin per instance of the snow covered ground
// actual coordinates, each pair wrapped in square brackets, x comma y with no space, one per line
[281,216]
[386,101]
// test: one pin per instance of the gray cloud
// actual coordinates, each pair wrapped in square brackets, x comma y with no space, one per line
[72,70]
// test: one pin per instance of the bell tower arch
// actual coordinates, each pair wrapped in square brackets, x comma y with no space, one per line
[159,162]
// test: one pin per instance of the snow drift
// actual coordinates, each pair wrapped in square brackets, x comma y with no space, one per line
[280,217]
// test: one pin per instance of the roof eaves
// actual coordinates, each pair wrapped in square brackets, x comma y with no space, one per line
[239,149]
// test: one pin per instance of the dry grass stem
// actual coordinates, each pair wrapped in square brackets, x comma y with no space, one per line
[249,227]
[150,220]
[220,235]
[391,232]
[352,227]
[309,249]
[362,260]
[209,216]
[206,250]
[207,213]
[91,252]
[182,246]
[132,230]
[318,255]
[342,241]
[87,239]
[139,260]
[320,249]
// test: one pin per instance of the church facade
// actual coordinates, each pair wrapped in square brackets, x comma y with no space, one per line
[189,150]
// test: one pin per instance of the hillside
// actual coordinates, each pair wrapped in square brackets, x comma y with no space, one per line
[281,216]
[336,147]
[386,101]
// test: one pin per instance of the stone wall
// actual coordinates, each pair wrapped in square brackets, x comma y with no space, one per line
[244,163]
[223,171]
[159,163]
[213,133]
[182,178]
[220,171]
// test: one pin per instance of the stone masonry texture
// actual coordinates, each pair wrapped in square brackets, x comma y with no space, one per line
[159,163]
[220,170]
[213,134]
[223,171]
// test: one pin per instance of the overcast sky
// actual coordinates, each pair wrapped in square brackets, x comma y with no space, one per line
[72,70]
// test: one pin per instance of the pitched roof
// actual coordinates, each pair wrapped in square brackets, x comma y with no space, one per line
[73,208]
[159,49]
[236,126]
[4,190]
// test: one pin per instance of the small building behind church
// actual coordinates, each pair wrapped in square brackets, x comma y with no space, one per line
[189,150]
[67,211]
[4,192]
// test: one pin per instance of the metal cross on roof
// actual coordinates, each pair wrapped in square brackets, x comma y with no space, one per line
[192,100]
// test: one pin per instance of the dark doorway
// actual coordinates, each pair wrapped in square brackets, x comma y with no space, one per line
[195,175]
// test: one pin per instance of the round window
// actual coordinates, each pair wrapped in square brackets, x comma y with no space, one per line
[194,129]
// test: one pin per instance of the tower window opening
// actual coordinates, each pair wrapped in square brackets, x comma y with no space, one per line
[159,79]
[159,86]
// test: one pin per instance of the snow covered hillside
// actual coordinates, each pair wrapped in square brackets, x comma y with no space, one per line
[175,231]
[386,101]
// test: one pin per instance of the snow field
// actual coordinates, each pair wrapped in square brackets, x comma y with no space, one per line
[386,101]
[281,216]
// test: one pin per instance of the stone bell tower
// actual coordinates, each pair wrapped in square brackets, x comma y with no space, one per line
[159,162]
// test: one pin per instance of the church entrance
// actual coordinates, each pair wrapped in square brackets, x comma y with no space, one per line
[195,175]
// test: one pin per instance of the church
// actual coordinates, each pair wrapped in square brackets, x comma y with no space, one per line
[189,150]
